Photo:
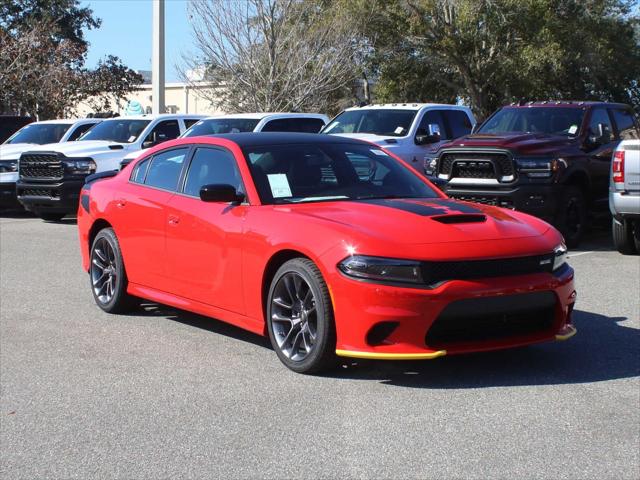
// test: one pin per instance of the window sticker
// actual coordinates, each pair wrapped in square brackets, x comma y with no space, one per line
[131,138]
[398,130]
[279,185]
[573,129]
[379,152]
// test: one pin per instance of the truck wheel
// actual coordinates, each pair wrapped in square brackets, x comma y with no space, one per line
[623,237]
[571,218]
[51,217]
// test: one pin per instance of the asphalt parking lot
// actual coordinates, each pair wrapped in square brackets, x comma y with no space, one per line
[164,393]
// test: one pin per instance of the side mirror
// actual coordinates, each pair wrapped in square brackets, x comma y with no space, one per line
[147,144]
[431,135]
[601,136]
[219,192]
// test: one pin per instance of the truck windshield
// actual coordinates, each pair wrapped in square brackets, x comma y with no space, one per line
[387,122]
[549,120]
[116,130]
[40,133]
[222,125]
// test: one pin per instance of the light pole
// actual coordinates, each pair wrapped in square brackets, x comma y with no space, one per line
[157,60]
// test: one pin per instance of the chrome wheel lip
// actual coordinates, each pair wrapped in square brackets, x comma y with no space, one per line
[104,271]
[294,317]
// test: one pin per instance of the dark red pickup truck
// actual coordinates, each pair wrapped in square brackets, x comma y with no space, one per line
[549,159]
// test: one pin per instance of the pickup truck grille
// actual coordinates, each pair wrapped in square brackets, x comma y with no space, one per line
[475,165]
[41,166]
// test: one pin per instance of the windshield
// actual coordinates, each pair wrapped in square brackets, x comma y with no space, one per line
[116,130]
[40,133]
[222,125]
[550,120]
[393,123]
[322,172]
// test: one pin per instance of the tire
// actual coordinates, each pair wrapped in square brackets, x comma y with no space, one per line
[107,275]
[301,330]
[623,238]
[51,217]
[571,217]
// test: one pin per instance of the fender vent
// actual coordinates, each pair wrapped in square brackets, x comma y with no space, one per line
[462,218]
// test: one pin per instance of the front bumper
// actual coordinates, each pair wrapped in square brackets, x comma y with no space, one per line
[361,307]
[539,200]
[61,197]
[8,197]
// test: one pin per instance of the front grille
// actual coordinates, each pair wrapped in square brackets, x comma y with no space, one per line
[41,166]
[475,165]
[437,272]
[493,318]
[38,192]
[485,200]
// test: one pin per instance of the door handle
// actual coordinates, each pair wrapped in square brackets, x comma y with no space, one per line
[121,203]
[173,220]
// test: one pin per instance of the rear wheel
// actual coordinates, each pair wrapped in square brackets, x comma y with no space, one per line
[571,218]
[107,274]
[300,317]
[50,217]
[623,238]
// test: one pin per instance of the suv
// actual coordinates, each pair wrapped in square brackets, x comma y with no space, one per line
[50,177]
[624,197]
[408,130]
[38,133]
[251,122]
[550,159]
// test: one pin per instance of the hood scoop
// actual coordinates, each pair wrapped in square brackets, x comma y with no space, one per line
[460,218]
[116,147]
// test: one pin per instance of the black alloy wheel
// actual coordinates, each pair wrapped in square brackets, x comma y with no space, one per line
[571,217]
[300,317]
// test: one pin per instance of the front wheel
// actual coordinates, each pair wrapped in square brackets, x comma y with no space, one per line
[300,317]
[571,218]
[623,238]
[107,274]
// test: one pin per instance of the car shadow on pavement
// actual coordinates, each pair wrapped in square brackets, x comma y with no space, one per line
[603,349]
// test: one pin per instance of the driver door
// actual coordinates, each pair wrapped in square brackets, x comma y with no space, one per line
[204,239]
[600,155]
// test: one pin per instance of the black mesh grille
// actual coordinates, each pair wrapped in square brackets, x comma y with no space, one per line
[475,165]
[493,318]
[485,200]
[436,272]
[41,165]
[38,192]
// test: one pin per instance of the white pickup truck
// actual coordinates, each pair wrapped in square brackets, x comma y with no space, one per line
[51,176]
[624,196]
[409,130]
[37,133]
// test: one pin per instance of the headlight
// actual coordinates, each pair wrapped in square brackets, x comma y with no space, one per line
[560,256]
[538,167]
[80,167]
[8,166]
[430,165]
[382,269]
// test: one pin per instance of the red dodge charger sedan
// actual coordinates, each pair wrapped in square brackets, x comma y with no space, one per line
[332,247]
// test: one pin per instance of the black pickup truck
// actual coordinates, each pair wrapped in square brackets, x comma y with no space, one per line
[549,159]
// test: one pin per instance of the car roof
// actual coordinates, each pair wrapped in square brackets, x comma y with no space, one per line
[565,103]
[260,116]
[150,116]
[406,106]
[252,139]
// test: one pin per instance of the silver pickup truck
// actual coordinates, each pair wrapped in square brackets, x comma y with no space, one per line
[624,197]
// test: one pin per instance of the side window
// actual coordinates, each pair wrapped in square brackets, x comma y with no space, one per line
[277,125]
[211,165]
[625,123]
[432,117]
[600,116]
[163,131]
[165,168]
[79,131]
[190,121]
[459,123]
[139,171]
[305,125]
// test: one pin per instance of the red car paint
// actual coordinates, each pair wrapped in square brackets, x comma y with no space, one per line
[213,258]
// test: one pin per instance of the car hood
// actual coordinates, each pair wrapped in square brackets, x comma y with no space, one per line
[521,143]
[82,148]
[13,150]
[423,221]
[382,140]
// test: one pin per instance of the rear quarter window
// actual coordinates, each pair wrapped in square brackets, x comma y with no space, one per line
[626,124]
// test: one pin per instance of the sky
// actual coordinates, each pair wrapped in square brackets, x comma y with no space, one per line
[126,33]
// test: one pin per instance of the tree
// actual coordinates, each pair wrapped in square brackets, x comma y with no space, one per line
[109,83]
[273,55]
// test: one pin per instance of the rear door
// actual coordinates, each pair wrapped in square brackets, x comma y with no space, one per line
[204,238]
[140,216]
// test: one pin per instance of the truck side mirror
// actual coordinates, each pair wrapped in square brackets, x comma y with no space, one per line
[431,135]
